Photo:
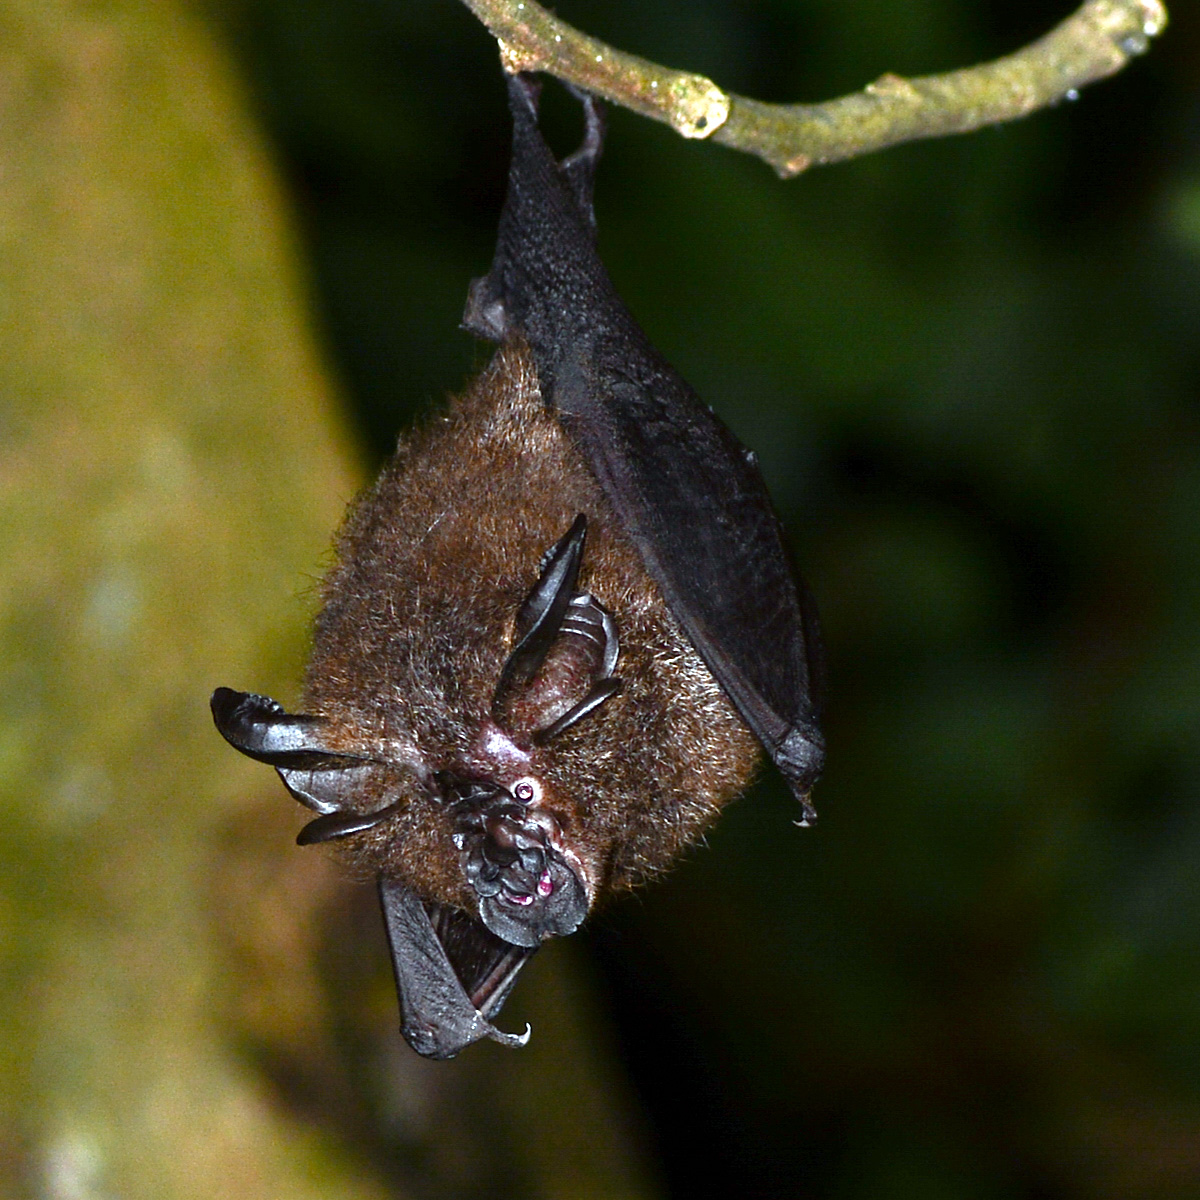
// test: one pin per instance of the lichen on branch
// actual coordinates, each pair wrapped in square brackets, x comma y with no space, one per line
[1097,40]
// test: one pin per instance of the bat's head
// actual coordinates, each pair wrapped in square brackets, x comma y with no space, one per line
[526,881]
[513,855]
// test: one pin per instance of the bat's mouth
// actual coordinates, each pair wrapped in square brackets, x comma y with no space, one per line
[533,902]
[455,970]
[528,890]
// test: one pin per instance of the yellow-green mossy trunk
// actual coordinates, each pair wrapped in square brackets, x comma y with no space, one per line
[171,467]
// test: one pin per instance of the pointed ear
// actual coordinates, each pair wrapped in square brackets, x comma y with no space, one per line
[261,729]
[604,690]
[541,615]
[322,779]
[337,824]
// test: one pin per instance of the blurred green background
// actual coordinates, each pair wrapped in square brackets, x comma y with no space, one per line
[971,369]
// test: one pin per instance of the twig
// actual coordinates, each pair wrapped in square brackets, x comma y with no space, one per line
[1095,41]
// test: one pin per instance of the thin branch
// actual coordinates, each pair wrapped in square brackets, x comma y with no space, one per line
[1096,41]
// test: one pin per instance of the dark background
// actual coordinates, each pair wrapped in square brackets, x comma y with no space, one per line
[971,369]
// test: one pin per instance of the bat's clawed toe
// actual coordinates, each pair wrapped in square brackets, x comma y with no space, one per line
[579,169]
[484,314]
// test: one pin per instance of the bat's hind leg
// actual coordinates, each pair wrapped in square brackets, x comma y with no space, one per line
[579,168]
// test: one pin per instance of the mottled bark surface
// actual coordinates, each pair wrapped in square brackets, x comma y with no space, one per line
[171,466]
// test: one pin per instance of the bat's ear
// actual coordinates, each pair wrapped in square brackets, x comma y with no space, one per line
[260,728]
[553,616]
[327,780]
[541,615]
[525,91]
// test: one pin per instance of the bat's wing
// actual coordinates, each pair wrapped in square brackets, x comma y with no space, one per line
[451,974]
[688,494]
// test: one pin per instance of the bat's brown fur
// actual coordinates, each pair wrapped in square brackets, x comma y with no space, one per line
[432,565]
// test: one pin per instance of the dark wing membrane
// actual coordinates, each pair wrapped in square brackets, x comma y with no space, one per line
[696,506]
[486,966]
[687,493]
[440,1013]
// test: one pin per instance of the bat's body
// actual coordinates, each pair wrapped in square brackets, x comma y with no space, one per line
[554,625]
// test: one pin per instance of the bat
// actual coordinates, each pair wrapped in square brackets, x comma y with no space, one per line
[558,631]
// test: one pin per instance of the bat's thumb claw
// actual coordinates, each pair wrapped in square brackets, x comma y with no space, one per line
[808,814]
[510,1039]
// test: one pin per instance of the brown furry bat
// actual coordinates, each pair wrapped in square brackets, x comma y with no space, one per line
[558,628]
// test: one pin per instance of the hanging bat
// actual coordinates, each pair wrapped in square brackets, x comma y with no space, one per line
[558,629]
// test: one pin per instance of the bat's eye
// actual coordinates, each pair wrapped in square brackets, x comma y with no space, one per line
[526,790]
